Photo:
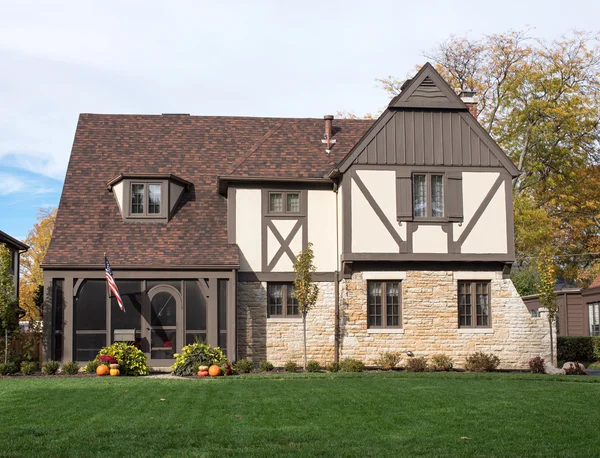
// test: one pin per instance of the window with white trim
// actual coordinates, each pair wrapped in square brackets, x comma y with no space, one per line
[594,318]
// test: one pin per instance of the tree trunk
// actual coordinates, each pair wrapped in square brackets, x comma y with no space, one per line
[304,326]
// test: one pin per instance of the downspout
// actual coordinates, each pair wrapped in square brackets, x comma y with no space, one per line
[336,351]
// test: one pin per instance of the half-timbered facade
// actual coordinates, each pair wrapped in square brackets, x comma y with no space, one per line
[410,218]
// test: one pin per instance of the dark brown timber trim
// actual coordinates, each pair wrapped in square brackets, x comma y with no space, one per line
[281,276]
[231,214]
[440,257]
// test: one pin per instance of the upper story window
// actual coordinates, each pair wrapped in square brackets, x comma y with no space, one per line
[284,202]
[281,301]
[384,304]
[146,198]
[428,195]
[474,304]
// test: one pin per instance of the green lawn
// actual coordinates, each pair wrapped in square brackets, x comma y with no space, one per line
[370,414]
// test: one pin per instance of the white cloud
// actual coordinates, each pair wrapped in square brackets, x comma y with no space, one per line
[14,184]
[10,184]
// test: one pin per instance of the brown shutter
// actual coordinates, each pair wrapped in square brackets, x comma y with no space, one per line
[454,196]
[404,204]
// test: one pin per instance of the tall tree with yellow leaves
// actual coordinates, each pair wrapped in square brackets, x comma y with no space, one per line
[540,100]
[32,277]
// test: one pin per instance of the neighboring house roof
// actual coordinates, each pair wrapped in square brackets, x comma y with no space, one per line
[11,241]
[595,283]
[195,148]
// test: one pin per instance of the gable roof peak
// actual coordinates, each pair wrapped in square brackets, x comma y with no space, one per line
[427,89]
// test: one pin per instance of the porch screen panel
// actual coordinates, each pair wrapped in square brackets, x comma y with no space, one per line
[195,313]
[58,304]
[222,313]
[89,323]
[131,293]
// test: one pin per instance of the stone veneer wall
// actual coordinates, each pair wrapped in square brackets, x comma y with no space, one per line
[430,324]
[279,340]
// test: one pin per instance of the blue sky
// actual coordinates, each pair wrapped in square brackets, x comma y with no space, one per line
[259,58]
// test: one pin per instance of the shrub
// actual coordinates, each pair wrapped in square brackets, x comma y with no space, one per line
[194,355]
[243,366]
[28,367]
[70,368]
[8,368]
[351,365]
[266,366]
[333,367]
[388,360]
[313,366]
[290,366]
[536,365]
[90,368]
[131,359]
[481,362]
[416,364]
[578,348]
[441,362]
[575,369]
[50,367]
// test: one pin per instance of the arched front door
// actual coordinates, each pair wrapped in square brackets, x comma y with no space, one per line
[164,318]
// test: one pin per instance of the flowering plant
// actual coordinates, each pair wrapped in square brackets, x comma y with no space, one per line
[107,360]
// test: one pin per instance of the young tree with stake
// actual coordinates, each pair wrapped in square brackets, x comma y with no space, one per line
[305,289]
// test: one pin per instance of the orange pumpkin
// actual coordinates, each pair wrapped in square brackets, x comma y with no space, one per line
[214,370]
[102,370]
[114,372]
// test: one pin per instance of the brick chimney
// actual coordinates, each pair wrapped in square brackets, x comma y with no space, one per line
[469,98]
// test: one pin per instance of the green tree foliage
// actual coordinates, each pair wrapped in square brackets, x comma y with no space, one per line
[8,302]
[525,279]
[540,101]
[305,289]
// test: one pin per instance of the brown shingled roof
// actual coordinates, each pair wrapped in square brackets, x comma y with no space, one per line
[595,283]
[197,149]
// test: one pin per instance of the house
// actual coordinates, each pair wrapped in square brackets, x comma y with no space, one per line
[15,249]
[410,217]
[578,309]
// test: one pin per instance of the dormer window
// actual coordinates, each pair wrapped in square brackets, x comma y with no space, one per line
[147,197]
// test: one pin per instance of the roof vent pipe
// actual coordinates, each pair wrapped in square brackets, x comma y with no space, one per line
[328,133]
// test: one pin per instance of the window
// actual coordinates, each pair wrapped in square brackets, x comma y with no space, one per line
[284,202]
[146,199]
[535,313]
[428,195]
[474,304]
[383,306]
[280,300]
[594,318]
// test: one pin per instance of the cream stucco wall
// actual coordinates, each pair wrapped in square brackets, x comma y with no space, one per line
[489,233]
[118,193]
[430,239]
[248,216]
[369,235]
[321,228]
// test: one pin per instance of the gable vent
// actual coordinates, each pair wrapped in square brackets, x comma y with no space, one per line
[427,82]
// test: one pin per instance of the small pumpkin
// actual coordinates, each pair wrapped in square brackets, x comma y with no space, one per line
[114,372]
[203,368]
[202,373]
[214,370]
[102,370]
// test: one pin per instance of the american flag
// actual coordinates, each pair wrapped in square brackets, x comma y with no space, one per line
[111,283]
